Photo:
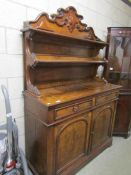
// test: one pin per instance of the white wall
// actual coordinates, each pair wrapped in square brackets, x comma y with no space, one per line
[97,13]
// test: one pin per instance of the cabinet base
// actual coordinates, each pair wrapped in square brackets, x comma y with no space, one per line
[122,134]
[76,166]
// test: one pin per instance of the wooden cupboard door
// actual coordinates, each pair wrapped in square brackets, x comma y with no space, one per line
[123,115]
[72,140]
[102,125]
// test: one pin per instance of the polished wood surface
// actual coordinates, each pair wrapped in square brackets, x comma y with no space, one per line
[65,93]
[119,72]
[69,113]
[102,125]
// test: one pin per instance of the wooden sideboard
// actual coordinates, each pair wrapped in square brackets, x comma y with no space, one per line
[119,72]
[69,113]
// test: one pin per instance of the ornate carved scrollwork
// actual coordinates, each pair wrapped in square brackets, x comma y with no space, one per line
[69,18]
[66,22]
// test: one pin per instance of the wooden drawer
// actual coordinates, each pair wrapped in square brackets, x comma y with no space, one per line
[106,97]
[72,109]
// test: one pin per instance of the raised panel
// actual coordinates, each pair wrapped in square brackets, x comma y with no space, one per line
[102,126]
[72,141]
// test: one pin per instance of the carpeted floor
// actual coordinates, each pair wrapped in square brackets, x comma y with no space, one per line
[115,160]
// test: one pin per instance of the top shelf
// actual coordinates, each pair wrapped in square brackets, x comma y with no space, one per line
[58,35]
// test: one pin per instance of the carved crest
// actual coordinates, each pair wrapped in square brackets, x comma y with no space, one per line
[65,22]
[69,18]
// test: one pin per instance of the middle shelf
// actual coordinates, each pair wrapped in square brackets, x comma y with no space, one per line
[42,59]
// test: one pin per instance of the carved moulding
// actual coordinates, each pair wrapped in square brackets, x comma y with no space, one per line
[66,22]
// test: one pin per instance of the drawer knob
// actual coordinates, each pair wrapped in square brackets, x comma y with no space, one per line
[75,108]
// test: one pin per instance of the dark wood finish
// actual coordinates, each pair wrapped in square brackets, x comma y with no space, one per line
[69,113]
[119,72]
[102,125]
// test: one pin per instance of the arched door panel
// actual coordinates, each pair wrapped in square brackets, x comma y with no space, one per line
[101,126]
[72,140]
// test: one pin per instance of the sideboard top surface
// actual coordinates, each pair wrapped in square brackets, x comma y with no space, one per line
[73,91]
